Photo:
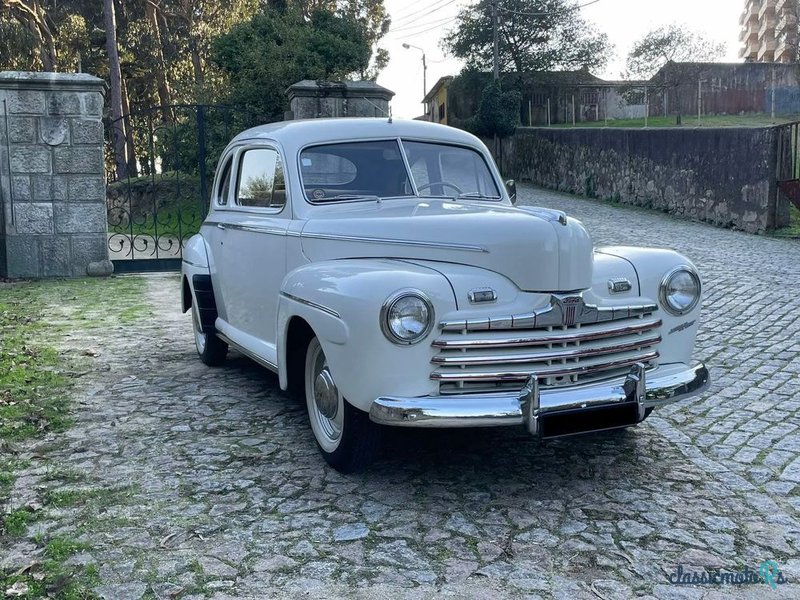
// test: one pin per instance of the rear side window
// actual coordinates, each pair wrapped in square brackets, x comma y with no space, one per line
[224,185]
[261,182]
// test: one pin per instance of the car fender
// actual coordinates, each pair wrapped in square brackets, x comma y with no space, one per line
[341,301]
[194,261]
[652,265]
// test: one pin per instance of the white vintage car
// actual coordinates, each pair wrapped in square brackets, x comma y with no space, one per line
[383,271]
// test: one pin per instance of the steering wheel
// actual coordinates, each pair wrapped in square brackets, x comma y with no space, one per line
[444,183]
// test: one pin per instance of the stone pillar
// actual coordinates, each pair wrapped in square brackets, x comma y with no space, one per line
[310,99]
[52,183]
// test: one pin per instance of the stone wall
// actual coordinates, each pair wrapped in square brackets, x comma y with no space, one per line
[52,184]
[723,176]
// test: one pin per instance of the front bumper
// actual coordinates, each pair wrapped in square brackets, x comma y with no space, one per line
[551,412]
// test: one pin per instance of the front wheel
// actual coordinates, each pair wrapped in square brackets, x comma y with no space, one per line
[346,437]
[211,350]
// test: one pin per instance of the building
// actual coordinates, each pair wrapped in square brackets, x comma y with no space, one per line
[769,31]
[575,97]
[548,98]
[435,101]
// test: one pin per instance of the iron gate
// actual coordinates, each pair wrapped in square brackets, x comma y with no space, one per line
[159,196]
[788,167]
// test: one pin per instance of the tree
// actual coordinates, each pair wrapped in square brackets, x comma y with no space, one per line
[534,35]
[672,43]
[498,112]
[654,56]
[118,124]
[34,18]
[264,56]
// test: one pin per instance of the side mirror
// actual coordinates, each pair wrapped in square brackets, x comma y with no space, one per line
[511,188]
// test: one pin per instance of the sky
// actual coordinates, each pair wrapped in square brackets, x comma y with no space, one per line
[423,23]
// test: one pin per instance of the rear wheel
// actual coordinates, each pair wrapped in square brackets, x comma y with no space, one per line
[346,437]
[211,350]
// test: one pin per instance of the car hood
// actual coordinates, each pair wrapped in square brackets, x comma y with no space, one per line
[540,250]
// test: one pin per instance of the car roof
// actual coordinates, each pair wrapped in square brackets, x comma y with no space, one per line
[300,133]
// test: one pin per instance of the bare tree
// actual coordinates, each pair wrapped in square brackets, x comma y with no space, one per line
[654,57]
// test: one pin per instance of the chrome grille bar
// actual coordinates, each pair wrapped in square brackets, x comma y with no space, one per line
[541,372]
[550,316]
[542,356]
[547,337]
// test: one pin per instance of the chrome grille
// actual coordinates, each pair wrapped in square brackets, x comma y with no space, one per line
[502,355]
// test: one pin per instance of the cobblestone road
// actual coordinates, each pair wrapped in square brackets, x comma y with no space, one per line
[214,487]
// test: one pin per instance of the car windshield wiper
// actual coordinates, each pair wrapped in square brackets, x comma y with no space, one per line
[477,196]
[352,197]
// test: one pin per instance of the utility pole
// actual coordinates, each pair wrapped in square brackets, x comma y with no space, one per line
[496,42]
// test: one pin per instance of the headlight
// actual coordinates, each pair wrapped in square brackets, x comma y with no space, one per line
[680,291]
[406,317]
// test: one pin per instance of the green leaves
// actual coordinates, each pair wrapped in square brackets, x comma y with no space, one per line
[273,50]
[498,112]
[534,35]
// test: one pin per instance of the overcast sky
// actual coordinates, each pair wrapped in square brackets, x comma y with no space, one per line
[424,22]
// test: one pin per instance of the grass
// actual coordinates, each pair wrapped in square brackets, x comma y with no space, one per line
[36,375]
[753,120]
[793,230]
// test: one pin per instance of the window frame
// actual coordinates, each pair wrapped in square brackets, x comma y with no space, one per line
[237,154]
[219,182]
[399,139]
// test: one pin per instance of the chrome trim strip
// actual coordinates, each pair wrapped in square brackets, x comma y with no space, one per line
[250,228]
[557,371]
[324,309]
[500,359]
[517,408]
[188,262]
[374,240]
[254,357]
[554,338]
[557,314]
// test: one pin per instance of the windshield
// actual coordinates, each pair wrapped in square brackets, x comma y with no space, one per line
[376,169]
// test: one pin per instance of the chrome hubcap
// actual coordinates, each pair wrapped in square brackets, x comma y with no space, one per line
[326,396]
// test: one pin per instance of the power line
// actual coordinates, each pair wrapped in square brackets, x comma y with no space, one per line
[415,34]
[411,12]
[546,14]
[418,25]
[426,12]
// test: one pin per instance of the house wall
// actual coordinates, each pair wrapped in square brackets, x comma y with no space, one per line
[701,174]
[727,89]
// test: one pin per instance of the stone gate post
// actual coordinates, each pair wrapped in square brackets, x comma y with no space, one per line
[52,184]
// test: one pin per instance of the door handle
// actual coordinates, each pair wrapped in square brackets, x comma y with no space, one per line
[221,226]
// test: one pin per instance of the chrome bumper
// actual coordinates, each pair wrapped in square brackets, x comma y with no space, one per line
[550,412]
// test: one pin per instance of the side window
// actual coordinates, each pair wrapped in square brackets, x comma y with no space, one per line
[261,182]
[224,185]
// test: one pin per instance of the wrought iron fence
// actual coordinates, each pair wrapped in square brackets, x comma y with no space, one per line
[158,188]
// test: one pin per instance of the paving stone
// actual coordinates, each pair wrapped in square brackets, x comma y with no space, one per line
[349,533]
[226,491]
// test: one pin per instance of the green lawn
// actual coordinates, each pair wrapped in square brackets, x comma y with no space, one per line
[793,230]
[755,120]
[39,365]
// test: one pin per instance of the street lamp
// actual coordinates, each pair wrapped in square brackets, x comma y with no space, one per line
[424,67]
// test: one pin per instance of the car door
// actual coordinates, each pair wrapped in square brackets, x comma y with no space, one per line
[252,249]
